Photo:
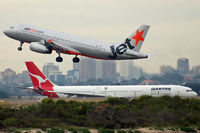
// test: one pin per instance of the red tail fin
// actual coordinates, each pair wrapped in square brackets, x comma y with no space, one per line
[38,78]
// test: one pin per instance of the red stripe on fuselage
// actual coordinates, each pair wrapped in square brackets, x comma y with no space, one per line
[33,30]
[75,53]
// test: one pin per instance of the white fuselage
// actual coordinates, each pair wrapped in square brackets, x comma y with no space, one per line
[129,91]
[73,44]
[43,86]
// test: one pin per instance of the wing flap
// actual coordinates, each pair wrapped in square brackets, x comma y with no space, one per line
[61,47]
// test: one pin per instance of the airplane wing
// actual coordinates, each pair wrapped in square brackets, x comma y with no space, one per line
[78,94]
[59,46]
[25,88]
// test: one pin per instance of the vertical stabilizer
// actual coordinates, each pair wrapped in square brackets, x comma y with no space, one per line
[137,38]
[38,78]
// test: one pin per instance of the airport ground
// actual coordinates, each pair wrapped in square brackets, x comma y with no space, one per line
[144,114]
[38,99]
[84,130]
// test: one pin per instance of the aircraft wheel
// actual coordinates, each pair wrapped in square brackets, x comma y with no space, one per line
[59,59]
[76,60]
[19,48]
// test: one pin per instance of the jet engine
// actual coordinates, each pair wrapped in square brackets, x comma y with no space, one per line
[39,48]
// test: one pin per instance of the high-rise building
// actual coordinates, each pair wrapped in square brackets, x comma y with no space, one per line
[99,69]
[76,66]
[87,68]
[106,70]
[123,68]
[52,72]
[183,65]
[9,76]
[134,71]
[73,75]
[128,70]
[23,75]
[164,69]
[196,70]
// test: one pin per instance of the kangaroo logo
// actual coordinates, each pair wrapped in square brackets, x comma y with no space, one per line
[40,79]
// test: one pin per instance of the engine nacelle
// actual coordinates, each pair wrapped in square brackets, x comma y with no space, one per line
[39,48]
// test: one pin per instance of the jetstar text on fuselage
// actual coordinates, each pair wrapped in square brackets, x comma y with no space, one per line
[121,48]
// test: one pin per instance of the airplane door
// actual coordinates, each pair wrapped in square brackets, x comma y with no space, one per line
[19,30]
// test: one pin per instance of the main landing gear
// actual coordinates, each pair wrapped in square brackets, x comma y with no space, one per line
[20,47]
[59,59]
[76,59]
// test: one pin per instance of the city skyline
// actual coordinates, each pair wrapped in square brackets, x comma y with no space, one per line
[174,31]
[129,68]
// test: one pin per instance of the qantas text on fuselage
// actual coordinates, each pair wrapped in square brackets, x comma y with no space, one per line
[45,41]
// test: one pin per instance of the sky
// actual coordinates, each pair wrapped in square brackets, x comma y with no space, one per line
[174,31]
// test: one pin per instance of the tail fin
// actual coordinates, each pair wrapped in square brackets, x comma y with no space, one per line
[38,78]
[138,37]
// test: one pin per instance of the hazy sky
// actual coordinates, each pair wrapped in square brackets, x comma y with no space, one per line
[174,31]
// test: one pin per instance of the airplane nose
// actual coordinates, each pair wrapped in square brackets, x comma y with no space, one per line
[6,32]
[195,94]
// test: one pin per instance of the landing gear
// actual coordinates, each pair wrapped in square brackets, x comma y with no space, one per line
[76,59]
[20,47]
[59,59]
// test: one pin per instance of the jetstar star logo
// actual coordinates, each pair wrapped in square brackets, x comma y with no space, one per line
[127,45]
[138,37]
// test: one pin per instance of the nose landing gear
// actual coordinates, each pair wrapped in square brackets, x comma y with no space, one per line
[20,47]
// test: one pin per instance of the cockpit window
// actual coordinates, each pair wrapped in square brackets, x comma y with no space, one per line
[189,90]
[12,27]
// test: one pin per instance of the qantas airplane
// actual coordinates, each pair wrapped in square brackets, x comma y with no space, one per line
[43,86]
[45,41]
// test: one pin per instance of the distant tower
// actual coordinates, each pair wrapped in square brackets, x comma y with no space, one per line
[134,71]
[196,70]
[76,66]
[183,65]
[99,69]
[52,72]
[108,70]
[123,68]
[166,69]
[87,69]
[128,70]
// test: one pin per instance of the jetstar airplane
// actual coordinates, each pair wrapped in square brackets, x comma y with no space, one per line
[45,41]
[43,86]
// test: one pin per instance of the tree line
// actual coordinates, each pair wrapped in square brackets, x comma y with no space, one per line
[111,113]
